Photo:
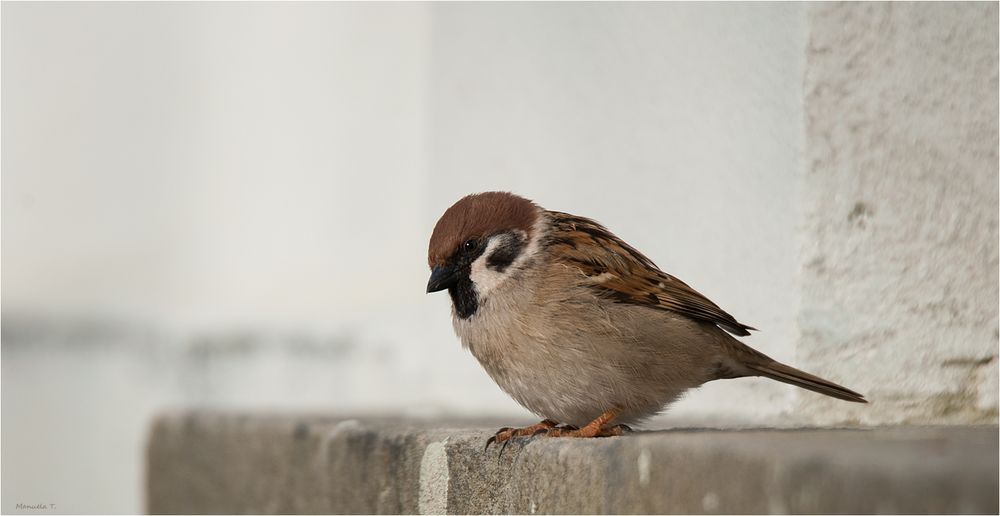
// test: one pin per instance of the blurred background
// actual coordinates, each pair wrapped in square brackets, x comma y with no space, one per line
[227,205]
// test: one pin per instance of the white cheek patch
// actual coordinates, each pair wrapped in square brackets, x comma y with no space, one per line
[484,278]
[487,278]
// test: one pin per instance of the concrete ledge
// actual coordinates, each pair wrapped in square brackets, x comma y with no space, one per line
[229,463]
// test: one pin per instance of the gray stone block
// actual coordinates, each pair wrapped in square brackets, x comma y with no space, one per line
[233,463]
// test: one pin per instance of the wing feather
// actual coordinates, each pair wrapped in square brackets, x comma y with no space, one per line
[620,272]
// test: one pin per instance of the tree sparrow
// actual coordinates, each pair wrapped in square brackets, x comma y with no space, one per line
[578,326]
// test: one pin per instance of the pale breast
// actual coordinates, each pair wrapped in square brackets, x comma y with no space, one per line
[567,355]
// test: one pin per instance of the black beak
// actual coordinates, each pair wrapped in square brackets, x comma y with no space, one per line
[442,277]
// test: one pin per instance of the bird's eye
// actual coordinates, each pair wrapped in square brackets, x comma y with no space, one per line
[470,245]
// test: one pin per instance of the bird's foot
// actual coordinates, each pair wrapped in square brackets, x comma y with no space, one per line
[596,428]
[504,435]
[610,431]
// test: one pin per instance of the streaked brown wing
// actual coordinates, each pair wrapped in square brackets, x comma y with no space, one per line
[620,272]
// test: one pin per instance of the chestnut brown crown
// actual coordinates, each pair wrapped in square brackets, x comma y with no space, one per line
[476,216]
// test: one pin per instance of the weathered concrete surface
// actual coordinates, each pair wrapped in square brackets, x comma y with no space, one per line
[231,463]
[899,272]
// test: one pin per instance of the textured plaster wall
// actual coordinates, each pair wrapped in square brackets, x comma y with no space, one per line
[899,277]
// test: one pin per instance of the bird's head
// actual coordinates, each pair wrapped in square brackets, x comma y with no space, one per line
[481,241]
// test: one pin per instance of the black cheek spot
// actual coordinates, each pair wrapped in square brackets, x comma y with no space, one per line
[500,260]
[505,255]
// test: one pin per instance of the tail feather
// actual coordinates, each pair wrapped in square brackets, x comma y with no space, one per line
[787,374]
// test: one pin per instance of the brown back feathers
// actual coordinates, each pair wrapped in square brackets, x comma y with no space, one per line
[620,272]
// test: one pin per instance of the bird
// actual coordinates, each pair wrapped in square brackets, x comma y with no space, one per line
[578,326]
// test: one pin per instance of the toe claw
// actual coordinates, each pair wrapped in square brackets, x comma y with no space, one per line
[502,448]
[506,434]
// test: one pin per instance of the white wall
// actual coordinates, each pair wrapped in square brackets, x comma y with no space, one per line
[212,165]
[180,181]
[227,205]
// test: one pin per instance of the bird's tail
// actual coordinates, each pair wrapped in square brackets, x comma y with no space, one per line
[777,371]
